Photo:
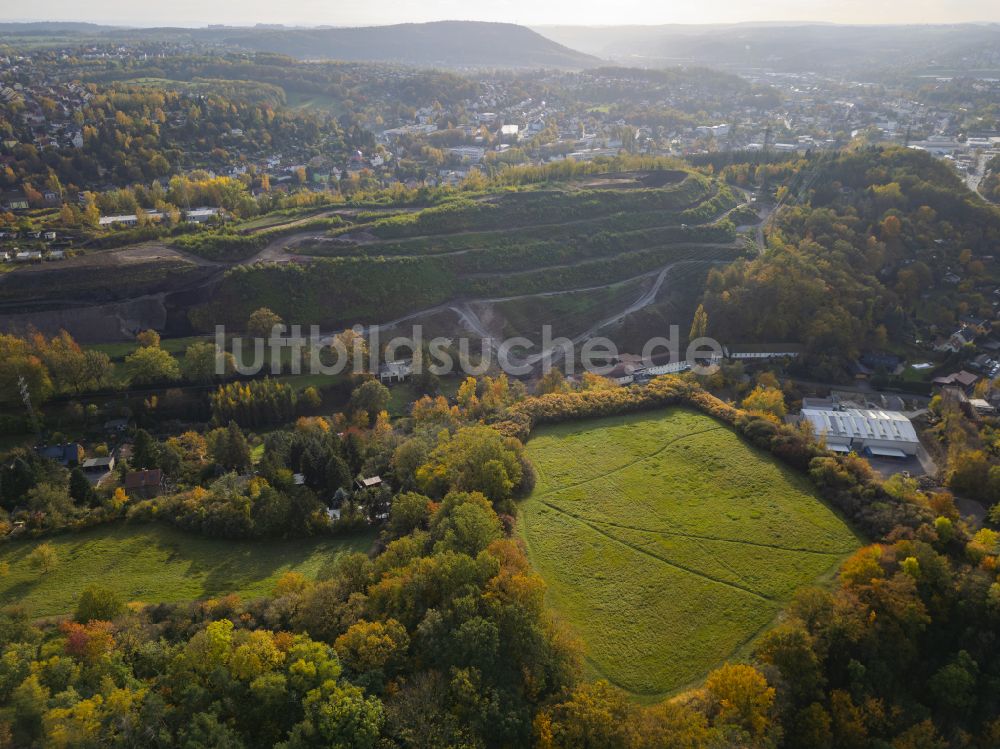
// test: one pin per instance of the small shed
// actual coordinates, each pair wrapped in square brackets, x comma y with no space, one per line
[369,483]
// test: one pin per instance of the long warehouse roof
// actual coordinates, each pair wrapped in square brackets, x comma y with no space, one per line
[856,423]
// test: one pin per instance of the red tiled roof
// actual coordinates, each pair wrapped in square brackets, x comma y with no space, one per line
[142,479]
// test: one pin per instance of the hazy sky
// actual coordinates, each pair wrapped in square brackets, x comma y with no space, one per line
[363,12]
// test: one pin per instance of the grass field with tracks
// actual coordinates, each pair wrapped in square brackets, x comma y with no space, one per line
[668,543]
[156,563]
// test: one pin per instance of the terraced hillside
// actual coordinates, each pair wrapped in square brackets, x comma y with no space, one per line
[623,254]
[586,236]
[667,542]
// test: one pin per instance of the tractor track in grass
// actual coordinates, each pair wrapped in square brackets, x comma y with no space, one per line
[657,452]
[607,593]
[696,536]
[640,550]
[631,463]
[681,534]
[593,525]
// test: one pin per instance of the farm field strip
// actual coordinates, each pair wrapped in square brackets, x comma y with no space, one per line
[667,532]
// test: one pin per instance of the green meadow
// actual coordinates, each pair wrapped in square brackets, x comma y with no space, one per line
[668,543]
[157,563]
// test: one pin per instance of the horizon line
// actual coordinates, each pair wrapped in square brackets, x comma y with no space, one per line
[264,25]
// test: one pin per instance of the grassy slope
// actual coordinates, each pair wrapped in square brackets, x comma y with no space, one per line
[668,543]
[153,563]
[568,314]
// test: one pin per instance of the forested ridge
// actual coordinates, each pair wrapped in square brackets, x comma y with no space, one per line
[857,256]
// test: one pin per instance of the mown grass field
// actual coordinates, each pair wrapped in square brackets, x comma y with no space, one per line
[154,563]
[668,543]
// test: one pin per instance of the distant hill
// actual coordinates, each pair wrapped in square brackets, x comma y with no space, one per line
[49,27]
[441,43]
[451,43]
[794,47]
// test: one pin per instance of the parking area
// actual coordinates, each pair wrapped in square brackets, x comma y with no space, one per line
[886,467]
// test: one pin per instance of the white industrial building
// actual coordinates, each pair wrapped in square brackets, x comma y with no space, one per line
[129,219]
[395,371]
[882,434]
[750,351]
[201,215]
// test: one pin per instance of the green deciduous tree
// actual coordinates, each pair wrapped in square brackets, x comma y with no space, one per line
[766,400]
[43,557]
[203,362]
[337,716]
[148,338]
[372,397]
[151,365]
[98,603]
[475,459]
[262,322]
[80,489]
[699,325]
[742,698]
[465,523]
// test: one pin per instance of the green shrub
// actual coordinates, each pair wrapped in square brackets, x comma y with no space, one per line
[98,603]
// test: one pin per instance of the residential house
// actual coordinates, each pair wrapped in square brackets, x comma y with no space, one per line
[15,202]
[716,131]
[68,454]
[874,360]
[958,340]
[97,469]
[982,407]
[622,374]
[474,154]
[509,133]
[143,484]
[964,380]
[99,465]
[979,324]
